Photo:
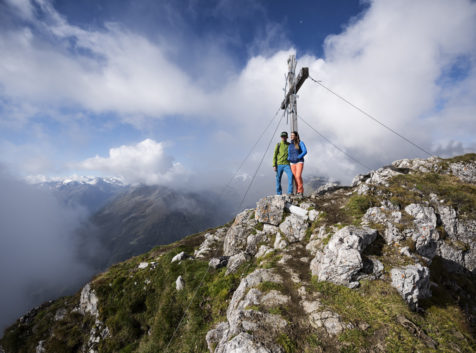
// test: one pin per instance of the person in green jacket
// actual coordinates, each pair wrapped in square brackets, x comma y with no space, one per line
[281,164]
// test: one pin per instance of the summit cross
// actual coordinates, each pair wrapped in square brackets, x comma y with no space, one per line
[294,83]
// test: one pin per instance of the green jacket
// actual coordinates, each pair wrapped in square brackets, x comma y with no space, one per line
[280,156]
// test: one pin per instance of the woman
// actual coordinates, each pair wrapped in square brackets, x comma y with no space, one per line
[296,152]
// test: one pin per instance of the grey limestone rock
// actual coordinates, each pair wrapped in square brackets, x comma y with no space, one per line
[215,335]
[294,228]
[253,240]
[245,343]
[218,262]
[40,348]
[263,251]
[280,242]
[270,209]
[242,321]
[208,246]
[412,282]
[418,164]
[448,252]
[180,256]
[313,215]
[341,260]
[328,320]
[388,218]
[60,314]
[235,261]
[328,187]
[88,301]
[381,176]
[237,235]
[179,283]
[359,179]
[464,171]
[425,235]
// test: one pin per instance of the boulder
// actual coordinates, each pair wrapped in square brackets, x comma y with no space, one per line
[294,228]
[270,209]
[466,172]
[143,265]
[209,245]
[179,283]
[60,314]
[88,301]
[280,242]
[425,234]
[244,325]
[387,218]
[244,343]
[215,335]
[341,260]
[313,215]
[412,282]
[328,320]
[263,251]
[328,187]
[237,235]
[253,240]
[235,261]
[218,262]
[180,256]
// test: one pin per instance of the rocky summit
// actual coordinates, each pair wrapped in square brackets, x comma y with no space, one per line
[387,264]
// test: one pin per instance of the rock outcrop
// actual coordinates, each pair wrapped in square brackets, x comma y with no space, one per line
[412,282]
[340,262]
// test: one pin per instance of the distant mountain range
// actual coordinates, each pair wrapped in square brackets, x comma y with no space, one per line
[142,217]
[127,220]
[91,193]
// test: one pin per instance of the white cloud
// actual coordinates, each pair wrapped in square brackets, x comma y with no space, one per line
[145,162]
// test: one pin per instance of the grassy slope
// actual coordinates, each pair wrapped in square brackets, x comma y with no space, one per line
[142,317]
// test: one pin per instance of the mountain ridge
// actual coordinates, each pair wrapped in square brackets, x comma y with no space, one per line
[386,264]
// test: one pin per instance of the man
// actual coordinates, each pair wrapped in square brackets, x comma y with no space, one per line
[281,164]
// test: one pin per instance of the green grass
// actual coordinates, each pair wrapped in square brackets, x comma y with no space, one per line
[415,188]
[141,317]
[377,304]
[287,343]
[268,286]
[358,205]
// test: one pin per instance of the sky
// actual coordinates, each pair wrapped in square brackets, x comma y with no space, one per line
[177,92]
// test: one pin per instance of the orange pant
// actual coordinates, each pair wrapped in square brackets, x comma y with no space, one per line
[297,172]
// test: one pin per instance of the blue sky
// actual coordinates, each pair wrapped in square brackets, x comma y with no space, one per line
[175,92]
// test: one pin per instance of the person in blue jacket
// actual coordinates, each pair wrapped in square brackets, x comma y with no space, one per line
[296,152]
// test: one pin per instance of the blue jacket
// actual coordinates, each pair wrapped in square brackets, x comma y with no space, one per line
[296,155]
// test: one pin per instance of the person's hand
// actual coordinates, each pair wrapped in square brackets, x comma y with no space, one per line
[275,169]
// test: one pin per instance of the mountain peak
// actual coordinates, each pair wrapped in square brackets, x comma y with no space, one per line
[90,180]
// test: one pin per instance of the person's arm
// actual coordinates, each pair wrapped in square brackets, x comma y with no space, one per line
[289,152]
[303,149]
[275,156]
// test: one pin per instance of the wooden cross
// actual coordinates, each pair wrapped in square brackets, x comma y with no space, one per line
[294,85]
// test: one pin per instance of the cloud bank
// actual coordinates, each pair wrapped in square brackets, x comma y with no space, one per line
[143,163]
[38,259]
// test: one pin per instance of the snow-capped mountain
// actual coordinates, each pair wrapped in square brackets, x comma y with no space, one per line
[89,192]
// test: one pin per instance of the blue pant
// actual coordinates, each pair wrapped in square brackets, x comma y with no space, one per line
[284,168]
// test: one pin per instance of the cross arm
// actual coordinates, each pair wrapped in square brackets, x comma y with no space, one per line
[303,75]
